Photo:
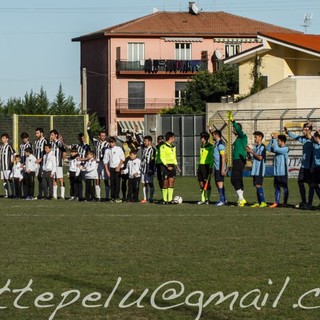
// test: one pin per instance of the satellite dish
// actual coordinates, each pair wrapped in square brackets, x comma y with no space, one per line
[218,54]
[195,8]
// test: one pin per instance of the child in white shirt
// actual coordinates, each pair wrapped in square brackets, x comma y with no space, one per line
[30,168]
[91,174]
[74,175]
[17,174]
[134,171]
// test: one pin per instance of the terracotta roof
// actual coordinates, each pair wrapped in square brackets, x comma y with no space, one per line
[306,41]
[205,24]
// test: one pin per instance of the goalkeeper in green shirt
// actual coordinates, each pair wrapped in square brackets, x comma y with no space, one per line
[205,167]
[239,156]
[169,166]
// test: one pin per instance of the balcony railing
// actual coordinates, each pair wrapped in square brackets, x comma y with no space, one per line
[158,66]
[143,106]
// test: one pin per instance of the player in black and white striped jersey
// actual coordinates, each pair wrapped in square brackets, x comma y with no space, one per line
[59,152]
[23,146]
[6,163]
[26,144]
[38,153]
[100,145]
[82,148]
[148,169]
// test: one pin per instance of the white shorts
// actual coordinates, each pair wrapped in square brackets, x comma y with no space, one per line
[102,174]
[59,173]
[145,178]
[5,174]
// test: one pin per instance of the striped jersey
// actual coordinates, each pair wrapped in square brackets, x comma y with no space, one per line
[22,148]
[39,148]
[6,157]
[58,150]
[83,148]
[148,160]
[99,146]
[259,166]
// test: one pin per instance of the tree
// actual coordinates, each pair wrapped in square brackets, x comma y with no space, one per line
[63,105]
[207,87]
[258,84]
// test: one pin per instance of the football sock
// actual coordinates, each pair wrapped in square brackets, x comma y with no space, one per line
[208,194]
[62,191]
[5,186]
[260,193]
[221,194]
[277,195]
[165,195]
[240,194]
[302,190]
[55,191]
[98,192]
[285,195]
[145,192]
[170,194]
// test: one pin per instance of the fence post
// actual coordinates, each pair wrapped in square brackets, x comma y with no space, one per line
[15,131]
[85,122]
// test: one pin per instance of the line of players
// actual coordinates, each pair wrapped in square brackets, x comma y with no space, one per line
[213,159]
[118,167]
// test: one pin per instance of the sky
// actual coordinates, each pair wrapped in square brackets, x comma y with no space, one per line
[35,35]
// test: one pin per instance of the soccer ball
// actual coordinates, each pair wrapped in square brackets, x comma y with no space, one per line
[177,199]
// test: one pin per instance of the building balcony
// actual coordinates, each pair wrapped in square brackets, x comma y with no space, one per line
[154,67]
[139,106]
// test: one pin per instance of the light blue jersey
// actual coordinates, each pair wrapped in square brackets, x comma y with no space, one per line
[316,155]
[281,160]
[306,160]
[218,150]
[259,166]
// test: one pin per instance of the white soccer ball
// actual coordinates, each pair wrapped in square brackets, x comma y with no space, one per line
[177,199]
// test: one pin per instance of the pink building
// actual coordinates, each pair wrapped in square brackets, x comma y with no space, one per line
[142,66]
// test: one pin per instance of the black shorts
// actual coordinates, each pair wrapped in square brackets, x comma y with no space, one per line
[203,172]
[280,182]
[217,176]
[315,174]
[257,180]
[166,174]
[304,175]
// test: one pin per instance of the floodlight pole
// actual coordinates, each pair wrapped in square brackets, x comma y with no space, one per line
[84,91]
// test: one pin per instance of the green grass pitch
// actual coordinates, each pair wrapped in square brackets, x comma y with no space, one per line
[88,247]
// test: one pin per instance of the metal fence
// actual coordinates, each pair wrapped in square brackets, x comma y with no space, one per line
[268,121]
[67,125]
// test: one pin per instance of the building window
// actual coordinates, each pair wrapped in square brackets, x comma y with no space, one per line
[183,51]
[135,51]
[136,95]
[180,89]
[232,49]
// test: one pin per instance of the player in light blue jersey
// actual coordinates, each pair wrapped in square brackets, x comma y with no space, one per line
[315,169]
[278,146]
[258,154]
[306,161]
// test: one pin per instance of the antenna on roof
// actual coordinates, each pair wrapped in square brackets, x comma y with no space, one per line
[193,8]
[307,21]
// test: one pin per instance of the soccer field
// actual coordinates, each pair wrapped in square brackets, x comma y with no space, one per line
[81,260]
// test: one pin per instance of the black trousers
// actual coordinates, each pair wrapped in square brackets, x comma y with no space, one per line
[90,189]
[75,184]
[47,184]
[114,183]
[17,188]
[236,174]
[40,184]
[133,193]
[29,184]
[124,182]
